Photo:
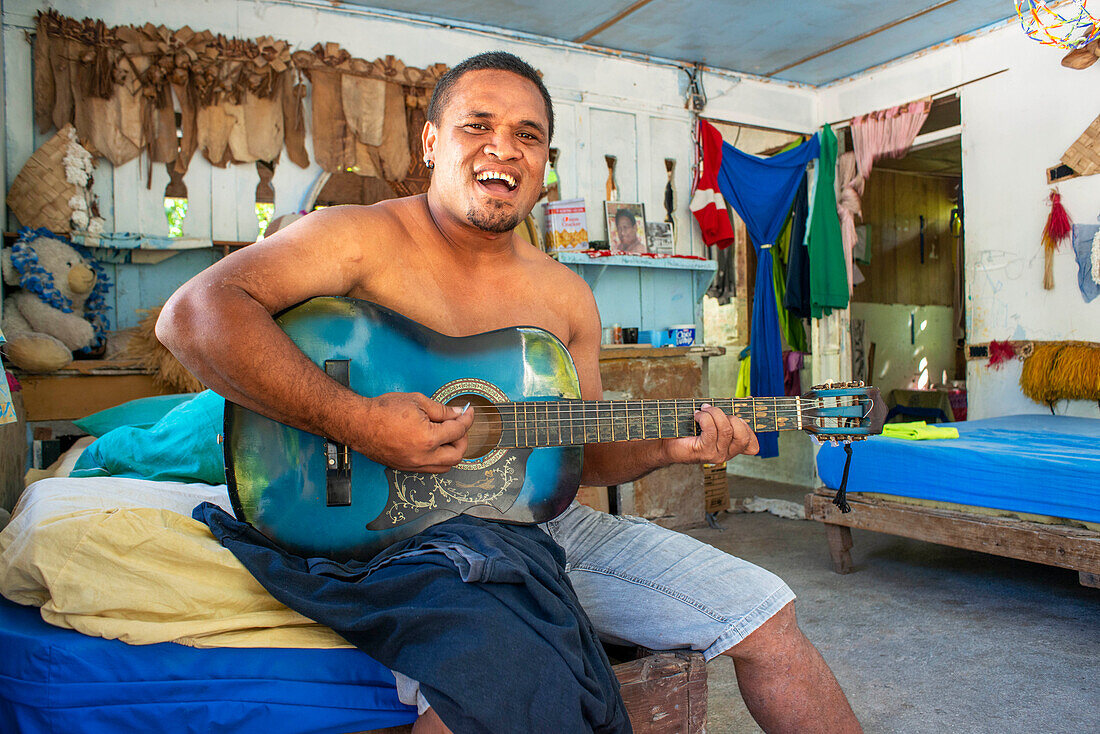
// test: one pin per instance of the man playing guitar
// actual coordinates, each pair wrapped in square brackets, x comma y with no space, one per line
[449,259]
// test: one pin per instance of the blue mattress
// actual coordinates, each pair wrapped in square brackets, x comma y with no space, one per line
[1041,464]
[57,680]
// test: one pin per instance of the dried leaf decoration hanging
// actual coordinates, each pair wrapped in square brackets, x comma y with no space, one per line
[367,115]
[120,87]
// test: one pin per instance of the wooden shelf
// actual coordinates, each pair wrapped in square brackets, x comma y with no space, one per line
[641,351]
[84,387]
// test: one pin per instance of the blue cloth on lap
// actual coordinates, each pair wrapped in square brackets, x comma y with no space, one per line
[480,613]
[181,447]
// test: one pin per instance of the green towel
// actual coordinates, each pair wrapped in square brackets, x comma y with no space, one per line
[918,431]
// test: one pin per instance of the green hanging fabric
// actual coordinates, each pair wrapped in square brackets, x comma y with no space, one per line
[742,389]
[789,326]
[828,271]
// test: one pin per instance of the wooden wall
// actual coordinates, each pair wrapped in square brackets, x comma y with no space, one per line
[892,205]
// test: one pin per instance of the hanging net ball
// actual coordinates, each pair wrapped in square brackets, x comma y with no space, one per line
[1064,24]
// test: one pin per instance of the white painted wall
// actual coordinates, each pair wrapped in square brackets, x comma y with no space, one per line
[1015,126]
[604,104]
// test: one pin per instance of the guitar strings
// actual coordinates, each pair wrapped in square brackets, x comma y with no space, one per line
[601,415]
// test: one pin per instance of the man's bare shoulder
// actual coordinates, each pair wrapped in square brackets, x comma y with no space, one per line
[566,293]
[397,213]
[548,270]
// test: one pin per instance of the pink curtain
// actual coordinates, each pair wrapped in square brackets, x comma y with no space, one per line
[882,134]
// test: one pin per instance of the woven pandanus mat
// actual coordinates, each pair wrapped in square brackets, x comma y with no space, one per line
[40,194]
[1084,155]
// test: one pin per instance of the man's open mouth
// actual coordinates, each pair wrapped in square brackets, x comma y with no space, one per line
[497,181]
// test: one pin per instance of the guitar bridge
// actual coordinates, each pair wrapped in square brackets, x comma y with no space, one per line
[337,456]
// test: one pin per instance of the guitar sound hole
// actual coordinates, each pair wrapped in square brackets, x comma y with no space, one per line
[484,434]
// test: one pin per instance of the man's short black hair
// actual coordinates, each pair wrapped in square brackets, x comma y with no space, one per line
[627,215]
[488,61]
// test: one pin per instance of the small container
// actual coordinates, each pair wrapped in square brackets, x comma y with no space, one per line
[681,335]
[617,334]
[607,335]
[566,225]
[630,335]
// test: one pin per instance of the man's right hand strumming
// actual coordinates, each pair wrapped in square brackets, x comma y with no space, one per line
[412,432]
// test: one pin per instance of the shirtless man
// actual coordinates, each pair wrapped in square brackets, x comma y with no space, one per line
[449,260]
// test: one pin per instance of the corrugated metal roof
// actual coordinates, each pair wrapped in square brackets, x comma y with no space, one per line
[811,42]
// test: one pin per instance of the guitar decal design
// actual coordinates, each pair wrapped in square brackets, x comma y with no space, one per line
[415,494]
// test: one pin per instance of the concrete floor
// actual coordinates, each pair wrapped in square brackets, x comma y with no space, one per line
[922,637]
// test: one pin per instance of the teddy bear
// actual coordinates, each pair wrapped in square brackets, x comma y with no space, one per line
[60,306]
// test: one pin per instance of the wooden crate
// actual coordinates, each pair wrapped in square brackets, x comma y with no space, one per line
[664,693]
[716,489]
[594,497]
[1055,545]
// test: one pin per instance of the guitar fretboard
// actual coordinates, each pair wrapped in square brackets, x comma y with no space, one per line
[575,422]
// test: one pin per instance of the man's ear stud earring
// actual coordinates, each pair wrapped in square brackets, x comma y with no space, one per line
[429,164]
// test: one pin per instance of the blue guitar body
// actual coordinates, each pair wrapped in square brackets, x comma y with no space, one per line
[316,498]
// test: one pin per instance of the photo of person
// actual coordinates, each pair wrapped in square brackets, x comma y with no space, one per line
[660,238]
[626,226]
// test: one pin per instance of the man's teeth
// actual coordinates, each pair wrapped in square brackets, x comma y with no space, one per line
[494,175]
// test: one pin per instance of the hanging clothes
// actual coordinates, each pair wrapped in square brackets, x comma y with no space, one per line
[883,134]
[742,389]
[796,297]
[724,285]
[828,269]
[761,191]
[790,327]
[792,375]
[707,205]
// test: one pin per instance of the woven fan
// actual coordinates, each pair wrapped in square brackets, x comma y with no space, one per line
[1084,155]
[39,196]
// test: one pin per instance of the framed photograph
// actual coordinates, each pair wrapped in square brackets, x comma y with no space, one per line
[625,226]
[660,238]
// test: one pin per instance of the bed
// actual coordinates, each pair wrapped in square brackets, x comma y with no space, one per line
[119,612]
[1023,486]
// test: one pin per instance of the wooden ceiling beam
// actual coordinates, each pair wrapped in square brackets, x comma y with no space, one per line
[637,5]
[862,36]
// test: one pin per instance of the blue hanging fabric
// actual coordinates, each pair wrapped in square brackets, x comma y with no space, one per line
[761,190]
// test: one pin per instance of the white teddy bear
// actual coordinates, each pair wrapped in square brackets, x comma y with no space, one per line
[60,307]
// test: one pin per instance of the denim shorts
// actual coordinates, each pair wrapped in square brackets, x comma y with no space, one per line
[642,584]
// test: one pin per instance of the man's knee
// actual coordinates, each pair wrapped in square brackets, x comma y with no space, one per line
[778,634]
[430,723]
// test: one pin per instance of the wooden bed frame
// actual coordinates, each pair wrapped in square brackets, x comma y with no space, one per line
[664,693]
[1055,545]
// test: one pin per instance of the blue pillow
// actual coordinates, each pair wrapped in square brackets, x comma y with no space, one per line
[140,413]
[181,447]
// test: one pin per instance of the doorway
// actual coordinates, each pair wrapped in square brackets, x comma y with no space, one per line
[908,312]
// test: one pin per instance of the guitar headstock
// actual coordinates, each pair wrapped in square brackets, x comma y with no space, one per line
[843,411]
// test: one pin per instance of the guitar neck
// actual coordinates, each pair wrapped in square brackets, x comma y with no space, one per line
[575,422]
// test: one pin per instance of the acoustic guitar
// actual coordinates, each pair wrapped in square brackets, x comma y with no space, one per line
[315,497]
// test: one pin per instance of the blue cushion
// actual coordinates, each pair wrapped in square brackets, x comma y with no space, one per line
[140,413]
[181,447]
[58,680]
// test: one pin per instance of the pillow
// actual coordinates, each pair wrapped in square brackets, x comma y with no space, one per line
[181,447]
[140,413]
